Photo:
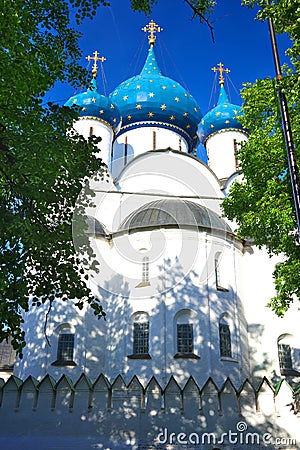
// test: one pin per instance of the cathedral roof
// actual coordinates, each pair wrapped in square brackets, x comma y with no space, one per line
[151,99]
[173,213]
[96,106]
[222,117]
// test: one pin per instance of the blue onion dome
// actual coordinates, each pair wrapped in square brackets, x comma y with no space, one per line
[93,105]
[222,117]
[151,99]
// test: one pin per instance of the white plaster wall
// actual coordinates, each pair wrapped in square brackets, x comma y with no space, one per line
[171,173]
[140,140]
[220,152]
[264,327]
[83,125]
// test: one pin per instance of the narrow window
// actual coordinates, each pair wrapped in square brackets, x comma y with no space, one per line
[217,270]
[125,150]
[140,338]
[145,269]
[91,131]
[225,340]
[154,140]
[235,147]
[285,356]
[219,275]
[185,340]
[65,347]
[180,145]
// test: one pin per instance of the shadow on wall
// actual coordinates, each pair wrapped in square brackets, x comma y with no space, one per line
[117,416]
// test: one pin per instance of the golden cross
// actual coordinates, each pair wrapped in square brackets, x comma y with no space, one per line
[95,58]
[152,28]
[221,70]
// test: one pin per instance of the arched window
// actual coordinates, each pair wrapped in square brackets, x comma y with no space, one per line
[219,276]
[225,337]
[65,346]
[284,344]
[140,336]
[145,269]
[185,324]
[145,272]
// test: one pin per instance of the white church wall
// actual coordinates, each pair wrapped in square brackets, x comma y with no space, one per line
[88,126]
[136,141]
[264,327]
[174,173]
[221,150]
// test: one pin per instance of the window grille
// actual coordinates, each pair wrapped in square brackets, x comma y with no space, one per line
[65,347]
[145,269]
[140,338]
[185,338]
[225,340]
[285,356]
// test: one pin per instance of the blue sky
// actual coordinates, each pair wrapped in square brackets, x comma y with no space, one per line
[184,49]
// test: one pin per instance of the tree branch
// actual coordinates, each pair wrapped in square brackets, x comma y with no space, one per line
[202,18]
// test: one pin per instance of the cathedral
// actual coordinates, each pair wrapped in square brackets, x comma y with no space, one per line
[188,346]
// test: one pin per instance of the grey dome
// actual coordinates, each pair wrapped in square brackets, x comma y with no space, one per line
[95,228]
[173,213]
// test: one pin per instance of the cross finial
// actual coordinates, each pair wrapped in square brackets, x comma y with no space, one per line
[152,28]
[221,70]
[95,58]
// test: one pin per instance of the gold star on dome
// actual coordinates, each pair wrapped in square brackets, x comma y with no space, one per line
[112,106]
[101,111]
[125,98]
[172,117]
[185,95]
[138,106]
[129,117]
[151,94]
[218,113]
[127,84]
[94,100]
[138,86]
[212,126]
[164,87]
[195,109]
[235,111]
[115,93]
[227,121]
[185,114]
[150,81]
[114,120]
[83,109]
[176,99]
[150,114]
[75,100]
[195,137]
[188,126]
[202,122]
[163,107]
[174,85]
